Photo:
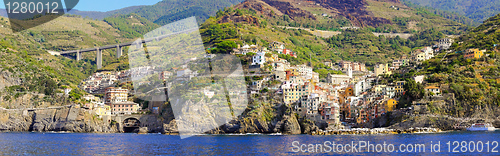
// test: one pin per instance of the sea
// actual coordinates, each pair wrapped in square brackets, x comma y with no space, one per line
[457,143]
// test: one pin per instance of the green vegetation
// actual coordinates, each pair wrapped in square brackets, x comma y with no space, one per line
[478,10]
[444,13]
[485,36]
[413,19]
[167,11]
[132,25]
[474,82]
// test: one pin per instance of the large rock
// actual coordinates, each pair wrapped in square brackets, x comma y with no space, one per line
[291,125]
[308,126]
[61,119]
[171,128]
[143,130]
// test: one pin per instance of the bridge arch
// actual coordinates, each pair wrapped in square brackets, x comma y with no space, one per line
[131,125]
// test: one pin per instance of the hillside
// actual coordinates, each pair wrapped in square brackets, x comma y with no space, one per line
[262,22]
[168,11]
[478,10]
[474,82]
[101,15]
[485,36]
[382,16]
[31,77]
[251,22]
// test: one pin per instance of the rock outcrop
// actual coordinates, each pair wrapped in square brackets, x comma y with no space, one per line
[62,119]
[8,79]
[288,125]
[284,121]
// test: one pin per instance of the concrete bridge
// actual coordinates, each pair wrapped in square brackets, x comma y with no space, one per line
[118,47]
[130,122]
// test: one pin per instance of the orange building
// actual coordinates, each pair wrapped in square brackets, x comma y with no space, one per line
[391,105]
[125,107]
[113,95]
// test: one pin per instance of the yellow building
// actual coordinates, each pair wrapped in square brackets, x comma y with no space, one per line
[293,94]
[293,71]
[274,57]
[474,53]
[103,110]
[391,105]
[418,56]
[382,69]
[379,88]
[400,87]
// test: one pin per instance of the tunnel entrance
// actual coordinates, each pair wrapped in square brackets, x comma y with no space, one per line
[131,125]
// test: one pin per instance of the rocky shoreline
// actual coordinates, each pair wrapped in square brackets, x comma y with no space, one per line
[64,119]
[365,131]
[79,120]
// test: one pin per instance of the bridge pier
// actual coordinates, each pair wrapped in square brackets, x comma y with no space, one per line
[78,55]
[99,58]
[119,51]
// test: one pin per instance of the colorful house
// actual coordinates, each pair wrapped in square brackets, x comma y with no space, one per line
[432,89]
[391,105]
[474,53]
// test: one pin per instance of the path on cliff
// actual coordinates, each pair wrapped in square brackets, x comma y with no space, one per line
[328,34]
[33,109]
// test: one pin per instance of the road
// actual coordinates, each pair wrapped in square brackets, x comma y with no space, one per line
[328,34]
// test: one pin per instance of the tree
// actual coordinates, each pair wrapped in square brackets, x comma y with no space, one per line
[414,90]
[225,47]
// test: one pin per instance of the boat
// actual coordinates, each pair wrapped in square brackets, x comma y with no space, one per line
[481,127]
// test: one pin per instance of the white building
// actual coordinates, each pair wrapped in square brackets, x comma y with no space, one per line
[259,58]
[309,104]
[208,93]
[429,53]
[67,90]
[340,79]
[305,71]
[361,86]
[445,43]
[419,78]
[433,89]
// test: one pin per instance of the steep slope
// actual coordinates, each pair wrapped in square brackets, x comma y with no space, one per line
[382,15]
[479,10]
[474,82]
[485,36]
[32,77]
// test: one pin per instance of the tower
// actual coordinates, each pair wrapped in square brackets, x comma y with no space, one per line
[349,71]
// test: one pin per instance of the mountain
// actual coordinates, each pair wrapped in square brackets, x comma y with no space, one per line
[101,15]
[386,15]
[370,32]
[168,11]
[163,12]
[92,14]
[478,10]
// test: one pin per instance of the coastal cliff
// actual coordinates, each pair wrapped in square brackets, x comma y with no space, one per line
[60,119]
[264,119]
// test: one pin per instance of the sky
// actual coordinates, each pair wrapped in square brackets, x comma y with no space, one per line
[105,5]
